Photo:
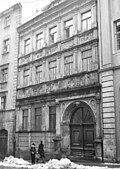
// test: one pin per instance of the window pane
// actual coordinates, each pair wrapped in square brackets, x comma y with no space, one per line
[39,74]
[52,118]
[27,46]
[39,41]
[68,65]
[86,21]
[25,119]
[53,34]
[38,118]
[52,70]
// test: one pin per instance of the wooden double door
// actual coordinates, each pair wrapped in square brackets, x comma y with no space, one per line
[82,126]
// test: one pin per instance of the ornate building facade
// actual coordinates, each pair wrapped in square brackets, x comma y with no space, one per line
[9,20]
[58,92]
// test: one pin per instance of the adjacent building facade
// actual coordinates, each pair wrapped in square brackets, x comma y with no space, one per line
[109,36]
[59,92]
[9,20]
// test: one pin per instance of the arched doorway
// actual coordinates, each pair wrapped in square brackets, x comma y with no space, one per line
[82,124]
[3,142]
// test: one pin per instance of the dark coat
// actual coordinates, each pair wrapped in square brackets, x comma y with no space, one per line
[41,150]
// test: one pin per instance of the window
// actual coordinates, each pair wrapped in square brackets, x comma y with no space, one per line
[27,46]
[26,76]
[87,60]
[52,70]
[86,21]
[39,74]
[6,45]
[3,102]
[4,74]
[52,118]
[7,21]
[69,28]
[117,34]
[39,41]
[25,119]
[68,65]
[38,118]
[53,35]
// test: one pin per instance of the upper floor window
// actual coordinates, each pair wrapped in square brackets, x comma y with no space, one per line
[52,70]
[53,34]
[87,60]
[25,119]
[117,34]
[39,41]
[7,21]
[69,28]
[86,21]
[27,46]
[3,102]
[52,118]
[39,74]
[38,118]
[68,65]
[6,45]
[26,76]
[4,74]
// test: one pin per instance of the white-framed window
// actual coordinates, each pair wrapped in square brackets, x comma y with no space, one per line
[69,28]
[26,76]
[38,118]
[117,35]
[3,102]
[39,74]
[68,65]
[4,73]
[87,60]
[25,119]
[52,70]
[39,40]
[6,45]
[7,21]
[86,21]
[27,46]
[53,34]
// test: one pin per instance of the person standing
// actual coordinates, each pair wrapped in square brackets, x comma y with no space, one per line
[33,152]
[41,151]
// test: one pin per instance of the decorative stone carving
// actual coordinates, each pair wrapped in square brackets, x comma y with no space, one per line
[93,104]
[69,83]
[67,44]
[86,38]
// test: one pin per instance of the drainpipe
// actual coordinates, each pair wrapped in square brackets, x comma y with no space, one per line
[100,60]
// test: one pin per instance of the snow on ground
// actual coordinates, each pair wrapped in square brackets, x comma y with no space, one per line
[64,163]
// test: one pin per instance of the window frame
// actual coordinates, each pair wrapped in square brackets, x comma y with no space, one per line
[117,33]
[86,20]
[25,119]
[39,41]
[27,46]
[53,69]
[53,34]
[38,73]
[38,116]
[26,77]
[68,28]
[7,21]
[52,115]
[6,45]
[86,57]
[4,72]
[68,65]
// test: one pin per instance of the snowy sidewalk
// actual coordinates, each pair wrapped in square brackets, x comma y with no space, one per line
[63,163]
